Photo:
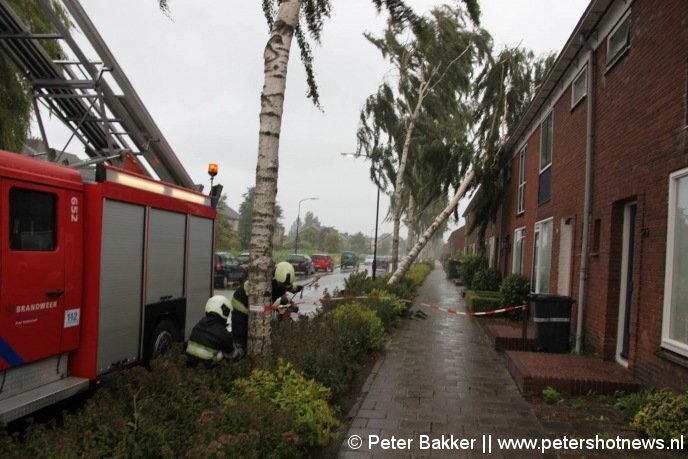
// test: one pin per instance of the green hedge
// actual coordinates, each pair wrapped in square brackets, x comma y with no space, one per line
[664,415]
[480,301]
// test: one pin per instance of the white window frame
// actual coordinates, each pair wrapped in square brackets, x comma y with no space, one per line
[549,116]
[614,55]
[536,284]
[581,81]
[521,204]
[667,341]
[518,257]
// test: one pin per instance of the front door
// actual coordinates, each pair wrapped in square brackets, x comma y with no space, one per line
[626,290]
[32,276]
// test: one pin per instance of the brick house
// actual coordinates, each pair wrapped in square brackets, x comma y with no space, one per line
[597,203]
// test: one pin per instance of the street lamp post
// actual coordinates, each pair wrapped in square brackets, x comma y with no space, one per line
[298,218]
[377,211]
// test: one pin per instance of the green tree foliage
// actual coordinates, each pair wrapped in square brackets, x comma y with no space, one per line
[359,243]
[329,240]
[504,89]
[423,105]
[225,237]
[15,92]
[246,216]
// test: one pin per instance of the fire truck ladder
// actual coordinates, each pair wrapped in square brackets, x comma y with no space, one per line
[114,127]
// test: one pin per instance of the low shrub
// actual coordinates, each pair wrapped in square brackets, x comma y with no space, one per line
[630,404]
[374,333]
[514,289]
[487,280]
[480,301]
[664,415]
[418,272]
[314,419]
[551,396]
[323,349]
[360,283]
[388,307]
[137,413]
[451,268]
[468,266]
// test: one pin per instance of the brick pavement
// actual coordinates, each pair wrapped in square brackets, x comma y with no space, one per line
[440,376]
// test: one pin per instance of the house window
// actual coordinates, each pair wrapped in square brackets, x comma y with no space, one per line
[618,40]
[521,182]
[542,256]
[545,184]
[675,317]
[33,218]
[519,250]
[579,87]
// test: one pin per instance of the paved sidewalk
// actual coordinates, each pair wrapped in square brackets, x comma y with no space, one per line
[439,378]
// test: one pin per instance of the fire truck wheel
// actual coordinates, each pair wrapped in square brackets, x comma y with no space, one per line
[164,335]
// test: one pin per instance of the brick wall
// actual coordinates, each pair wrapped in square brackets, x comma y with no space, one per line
[640,117]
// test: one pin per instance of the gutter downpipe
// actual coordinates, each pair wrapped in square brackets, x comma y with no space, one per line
[588,196]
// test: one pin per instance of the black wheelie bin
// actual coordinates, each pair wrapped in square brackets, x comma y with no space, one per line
[552,317]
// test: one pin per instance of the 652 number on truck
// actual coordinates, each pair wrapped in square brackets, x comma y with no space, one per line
[96,273]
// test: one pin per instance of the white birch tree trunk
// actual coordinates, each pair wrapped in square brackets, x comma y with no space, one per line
[410,222]
[399,184]
[427,235]
[276,59]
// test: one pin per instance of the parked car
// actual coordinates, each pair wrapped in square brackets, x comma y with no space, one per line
[228,270]
[243,259]
[349,260]
[368,260]
[322,262]
[383,262]
[301,263]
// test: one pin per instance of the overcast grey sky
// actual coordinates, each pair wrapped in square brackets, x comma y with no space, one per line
[200,74]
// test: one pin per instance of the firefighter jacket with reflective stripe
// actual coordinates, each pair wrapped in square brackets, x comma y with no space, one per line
[210,339]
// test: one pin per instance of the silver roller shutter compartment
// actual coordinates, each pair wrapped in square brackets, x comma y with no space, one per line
[121,274]
[200,273]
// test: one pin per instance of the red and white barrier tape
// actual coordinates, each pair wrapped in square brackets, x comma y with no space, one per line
[434,306]
[474,314]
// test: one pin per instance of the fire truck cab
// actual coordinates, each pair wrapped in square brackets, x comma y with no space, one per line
[96,274]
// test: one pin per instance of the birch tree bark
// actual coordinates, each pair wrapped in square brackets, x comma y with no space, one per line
[427,235]
[276,59]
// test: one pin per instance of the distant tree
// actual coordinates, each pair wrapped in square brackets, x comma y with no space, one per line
[359,243]
[246,217]
[15,92]
[332,242]
[224,234]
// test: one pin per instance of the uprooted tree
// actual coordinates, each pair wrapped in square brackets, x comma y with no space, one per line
[503,89]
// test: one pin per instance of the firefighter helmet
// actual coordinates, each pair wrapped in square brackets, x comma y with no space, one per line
[219,304]
[284,273]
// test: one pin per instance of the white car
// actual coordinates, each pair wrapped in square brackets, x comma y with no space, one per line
[369,260]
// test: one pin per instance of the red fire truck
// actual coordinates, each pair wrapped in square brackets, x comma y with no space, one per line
[96,273]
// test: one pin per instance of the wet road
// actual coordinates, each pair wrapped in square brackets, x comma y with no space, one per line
[316,287]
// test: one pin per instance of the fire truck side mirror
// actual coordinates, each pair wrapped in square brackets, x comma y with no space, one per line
[215,193]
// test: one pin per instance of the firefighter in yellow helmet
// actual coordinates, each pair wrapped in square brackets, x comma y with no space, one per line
[282,282]
[211,338]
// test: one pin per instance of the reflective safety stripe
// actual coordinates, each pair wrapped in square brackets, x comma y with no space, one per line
[551,319]
[238,306]
[203,352]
